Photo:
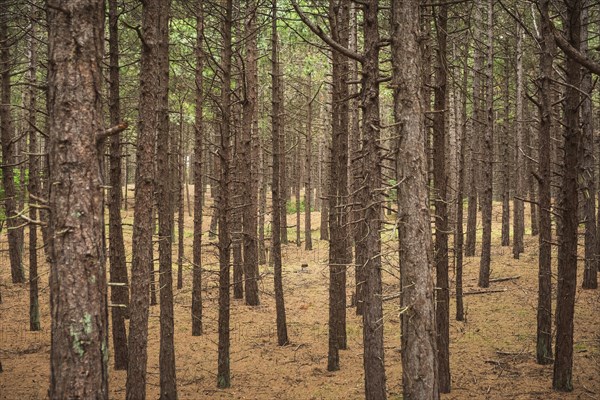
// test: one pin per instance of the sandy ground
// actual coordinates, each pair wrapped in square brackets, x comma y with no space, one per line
[492,352]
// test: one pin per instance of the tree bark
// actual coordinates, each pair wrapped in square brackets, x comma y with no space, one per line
[276,187]
[198,178]
[487,157]
[79,350]
[518,206]
[9,143]
[568,204]
[419,352]
[440,180]
[118,269]
[142,261]
[544,307]
[223,199]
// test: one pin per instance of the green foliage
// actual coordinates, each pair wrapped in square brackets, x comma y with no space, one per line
[291,207]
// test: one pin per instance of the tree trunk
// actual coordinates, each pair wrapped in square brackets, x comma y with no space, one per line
[164,196]
[142,262]
[223,200]
[9,143]
[307,167]
[519,216]
[79,351]
[119,295]
[419,353]
[198,178]
[568,204]
[544,307]
[339,250]
[487,158]
[371,199]
[249,160]
[34,173]
[505,150]
[587,171]
[276,187]
[442,298]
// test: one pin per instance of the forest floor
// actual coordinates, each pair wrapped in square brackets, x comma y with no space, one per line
[492,351]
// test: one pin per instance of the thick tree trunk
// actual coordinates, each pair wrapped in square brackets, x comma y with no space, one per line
[14,231]
[568,204]
[419,353]
[276,187]
[119,295]
[79,351]
[440,180]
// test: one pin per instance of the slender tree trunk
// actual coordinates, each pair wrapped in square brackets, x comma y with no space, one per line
[487,158]
[276,187]
[118,269]
[505,149]
[308,189]
[440,179]
[544,307]
[518,206]
[164,196]
[373,356]
[339,250]
[223,200]
[142,263]
[587,148]
[249,160]
[34,172]
[180,201]
[198,178]
[460,194]
[419,353]
[262,205]
[9,159]
[476,128]
[568,205]
[79,352]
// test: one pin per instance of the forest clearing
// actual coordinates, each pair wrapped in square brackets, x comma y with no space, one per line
[492,353]
[299,199]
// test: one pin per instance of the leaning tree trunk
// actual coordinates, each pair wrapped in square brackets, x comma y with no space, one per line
[419,352]
[79,352]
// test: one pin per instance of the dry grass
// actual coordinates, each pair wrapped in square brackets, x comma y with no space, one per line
[492,353]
